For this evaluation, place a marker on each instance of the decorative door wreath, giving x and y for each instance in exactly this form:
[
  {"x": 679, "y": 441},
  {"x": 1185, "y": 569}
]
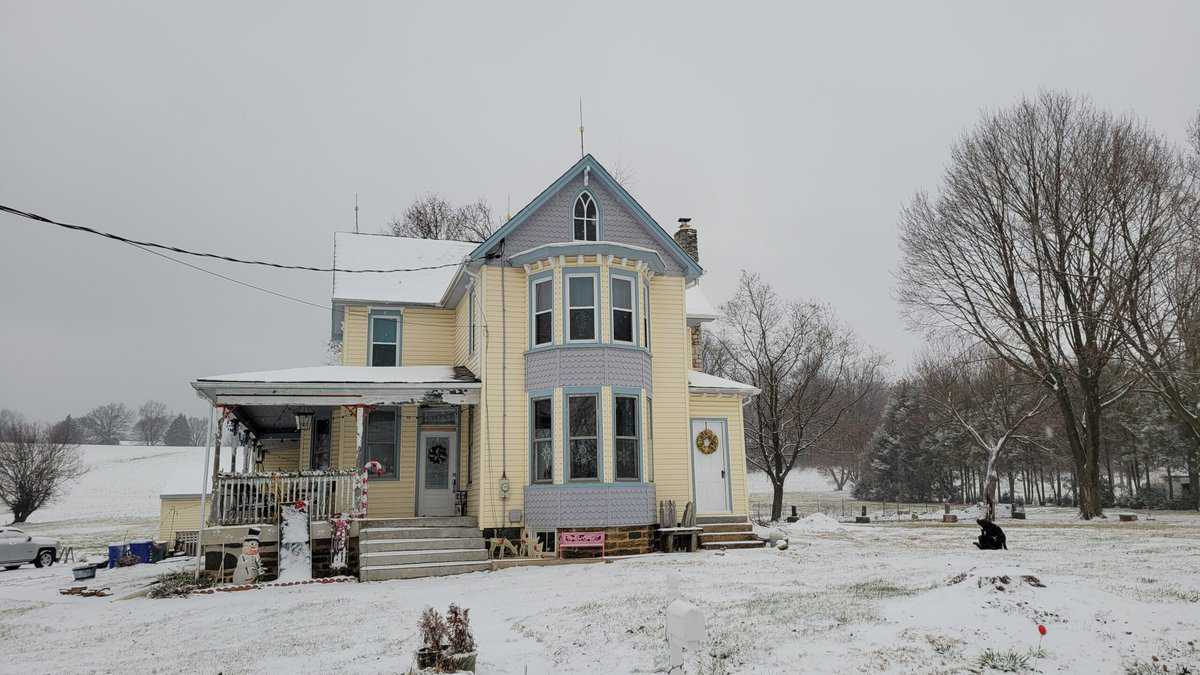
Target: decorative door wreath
[
  {"x": 707, "y": 442},
  {"x": 436, "y": 454}
]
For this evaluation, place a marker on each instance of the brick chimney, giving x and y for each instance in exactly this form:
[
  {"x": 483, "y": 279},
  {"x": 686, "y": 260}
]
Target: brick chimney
[{"x": 685, "y": 236}]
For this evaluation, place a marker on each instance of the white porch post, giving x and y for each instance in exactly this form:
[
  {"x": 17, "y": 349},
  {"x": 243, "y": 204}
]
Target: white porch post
[
  {"x": 204, "y": 493},
  {"x": 360, "y": 414}
]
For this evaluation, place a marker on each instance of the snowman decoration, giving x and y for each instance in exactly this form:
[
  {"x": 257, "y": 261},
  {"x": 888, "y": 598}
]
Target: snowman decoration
[{"x": 249, "y": 566}]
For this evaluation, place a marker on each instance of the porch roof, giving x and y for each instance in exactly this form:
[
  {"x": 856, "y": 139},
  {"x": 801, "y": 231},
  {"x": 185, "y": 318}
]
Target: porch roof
[
  {"x": 323, "y": 386},
  {"x": 703, "y": 383}
]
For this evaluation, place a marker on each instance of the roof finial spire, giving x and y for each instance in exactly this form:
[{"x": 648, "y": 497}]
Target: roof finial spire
[{"x": 581, "y": 152}]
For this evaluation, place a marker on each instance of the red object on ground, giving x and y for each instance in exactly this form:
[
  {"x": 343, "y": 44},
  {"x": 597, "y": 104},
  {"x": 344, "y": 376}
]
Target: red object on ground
[{"x": 1041, "y": 629}]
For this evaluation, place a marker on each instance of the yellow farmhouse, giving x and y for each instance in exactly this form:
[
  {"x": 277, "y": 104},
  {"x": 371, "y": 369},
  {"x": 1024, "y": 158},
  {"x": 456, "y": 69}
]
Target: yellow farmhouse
[{"x": 540, "y": 382}]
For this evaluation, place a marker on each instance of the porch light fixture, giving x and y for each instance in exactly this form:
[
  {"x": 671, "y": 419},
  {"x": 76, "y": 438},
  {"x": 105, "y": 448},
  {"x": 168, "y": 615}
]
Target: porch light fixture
[{"x": 304, "y": 421}]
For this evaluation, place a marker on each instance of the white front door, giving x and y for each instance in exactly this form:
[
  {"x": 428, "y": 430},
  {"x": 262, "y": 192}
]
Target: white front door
[
  {"x": 437, "y": 475},
  {"x": 710, "y": 466}
]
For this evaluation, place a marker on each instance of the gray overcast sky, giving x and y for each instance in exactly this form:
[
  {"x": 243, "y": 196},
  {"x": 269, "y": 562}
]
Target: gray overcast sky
[{"x": 791, "y": 134}]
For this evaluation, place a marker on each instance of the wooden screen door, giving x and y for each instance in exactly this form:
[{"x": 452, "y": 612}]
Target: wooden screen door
[
  {"x": 438, "y": 474},
  {"x": 710, "y": 466}
]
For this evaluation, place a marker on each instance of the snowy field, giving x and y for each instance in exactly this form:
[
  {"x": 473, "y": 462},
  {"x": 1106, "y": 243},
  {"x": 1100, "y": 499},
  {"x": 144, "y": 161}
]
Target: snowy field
[{"x": 892, "y": 597}]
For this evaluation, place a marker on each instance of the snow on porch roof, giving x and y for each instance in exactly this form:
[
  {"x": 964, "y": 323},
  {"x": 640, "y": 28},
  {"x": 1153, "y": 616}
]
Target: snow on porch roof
[
  {"x": 352, "y": 375},
  {"x": 377, "y": 251},
  {"x": 705, "y": 383}
]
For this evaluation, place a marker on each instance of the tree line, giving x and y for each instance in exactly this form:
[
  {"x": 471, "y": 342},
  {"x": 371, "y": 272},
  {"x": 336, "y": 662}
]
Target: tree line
[
  {"x": 152, "y": 423},
  {"x": 1056, "y": 277}
]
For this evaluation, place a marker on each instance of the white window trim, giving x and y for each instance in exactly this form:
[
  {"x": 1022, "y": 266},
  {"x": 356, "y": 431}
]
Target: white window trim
[
  {"x": 535, "y": 313},
  {"x": 632, "y": 309},
  {"x": 586, "y": 221},
  {"x": 397, "y": 318},
  {"x": 595, "y": 306}
]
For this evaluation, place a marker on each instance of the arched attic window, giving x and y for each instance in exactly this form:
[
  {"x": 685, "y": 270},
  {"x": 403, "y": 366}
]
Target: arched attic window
[{"x": 585, "y": 219}]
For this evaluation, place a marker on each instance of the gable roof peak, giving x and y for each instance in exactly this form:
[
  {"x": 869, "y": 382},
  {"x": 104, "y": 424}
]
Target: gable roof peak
[{"x": 594, "y": 169}]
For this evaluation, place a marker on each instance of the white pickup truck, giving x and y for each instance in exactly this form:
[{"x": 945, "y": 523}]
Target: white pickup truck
[{"x": 18, "y": 548}]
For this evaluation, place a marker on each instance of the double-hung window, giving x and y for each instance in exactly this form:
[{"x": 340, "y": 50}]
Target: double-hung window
[
  {"x": 542, "y": 444},
  {"x": 622, "y": 309},
  {"x": 385, "y": 339},
  {"x": 625, "y": 445},
  {"x": 383, "y": 432},
  {"x": 646, "y": 314},
  {"x": 543, "y": 311},
  {"x": 583, "y": 440},
  {"x": 581, "y": 307},
  {"x": 649, "y": 439}
]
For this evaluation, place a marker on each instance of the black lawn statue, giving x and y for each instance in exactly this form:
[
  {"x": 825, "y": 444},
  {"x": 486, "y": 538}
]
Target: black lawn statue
[{"x": 992, "y": 537}]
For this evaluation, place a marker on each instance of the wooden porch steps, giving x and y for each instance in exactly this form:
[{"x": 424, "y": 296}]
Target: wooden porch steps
[
  {"x": 727, "y": 532},
  {"x": 410, "y": 548}
]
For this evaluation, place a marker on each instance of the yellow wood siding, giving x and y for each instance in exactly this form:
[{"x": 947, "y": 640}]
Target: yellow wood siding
[
  {"x": 395, "y": 498},
  {"x": 428, "y": 337},
  {"x": 672, "y": 459},
  {"x": 177, "y": 513},
  {"x": 354, "y": 336},
  {"x": 282, "y": 459},
  {"x": 730, "y": 409},
  {"x": 504, "y": 398}
]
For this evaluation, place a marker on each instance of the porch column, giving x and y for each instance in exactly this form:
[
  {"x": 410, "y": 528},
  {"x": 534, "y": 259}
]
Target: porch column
[{"x": 217, "y": 434}]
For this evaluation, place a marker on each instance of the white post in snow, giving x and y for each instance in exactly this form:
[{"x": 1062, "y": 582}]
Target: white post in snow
[{"x": 204, "y": 491}]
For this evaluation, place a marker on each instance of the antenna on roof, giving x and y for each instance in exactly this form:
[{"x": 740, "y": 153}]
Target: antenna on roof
[
  {"x": 581, "y": 153},
  {"x": 355, "y": 213}
]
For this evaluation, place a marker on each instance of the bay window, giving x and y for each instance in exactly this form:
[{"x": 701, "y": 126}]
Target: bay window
[
  {"x": 622, "y": 309},
  {"x": 543, "y": 311},
  {"x": 581, "y": 307},
  {"x": 542, "y": 449}
]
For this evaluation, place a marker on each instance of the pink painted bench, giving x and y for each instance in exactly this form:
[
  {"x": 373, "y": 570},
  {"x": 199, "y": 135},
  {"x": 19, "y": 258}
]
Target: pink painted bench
[{"x": 581, "y": 540}]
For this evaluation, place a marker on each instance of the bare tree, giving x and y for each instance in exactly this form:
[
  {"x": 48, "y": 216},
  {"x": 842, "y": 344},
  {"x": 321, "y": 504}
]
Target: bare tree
[
  {"x": 432, "y": 217},
  {"x": 35, "y": 465},
  {"x": 152, "y": 423},
  {"x": 840, "y": 454},
  {"x": 987, "y": 398},
  {"x": 1022, "y": 251},
  {"x": 714, "y": 354},
  {"x": 810, "y": 371},
  {"x": 108, "y": 424},
  {"x": 198, "y": 430}
]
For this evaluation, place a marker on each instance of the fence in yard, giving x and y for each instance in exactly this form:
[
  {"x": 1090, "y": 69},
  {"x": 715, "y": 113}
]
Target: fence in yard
[
  {"x": 245, "y": 500},
  {"x": 840, "y": 509}
]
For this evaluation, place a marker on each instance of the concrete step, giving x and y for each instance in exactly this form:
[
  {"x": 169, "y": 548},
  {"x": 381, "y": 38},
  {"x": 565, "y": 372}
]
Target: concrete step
[
  {"x": 423, "y": 544},
  {"x": 382, "y": 558},
  {"x": 709, "y": 546},
  {"x": 384, "y": 572},
  {"x": 727, "y": 527},
  {"x": 703, "y": 520},
  {"x": 430, "y": 521},
  {"x": 408, "y": 532},
  {"x": 711, "y": 537}
]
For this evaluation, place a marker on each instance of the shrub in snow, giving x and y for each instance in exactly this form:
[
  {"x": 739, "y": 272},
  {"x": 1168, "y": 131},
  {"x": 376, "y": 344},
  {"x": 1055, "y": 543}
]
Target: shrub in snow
[
  {"x": 179, "y": 584},
  {"x": 1007, "y": 661}
]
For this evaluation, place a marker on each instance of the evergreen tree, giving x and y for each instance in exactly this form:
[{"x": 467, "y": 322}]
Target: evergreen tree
[{"x": 179, "y": 433}]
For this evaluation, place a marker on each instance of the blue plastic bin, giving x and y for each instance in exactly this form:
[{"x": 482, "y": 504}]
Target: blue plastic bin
[
  {"x": 114, "y": 553},
  {"x": 142, "y": 549}
]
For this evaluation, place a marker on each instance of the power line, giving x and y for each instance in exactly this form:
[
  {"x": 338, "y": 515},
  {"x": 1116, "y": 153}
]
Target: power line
[
  {"x": 216, "y": 256},
  {"x": 236, "y": 281}
]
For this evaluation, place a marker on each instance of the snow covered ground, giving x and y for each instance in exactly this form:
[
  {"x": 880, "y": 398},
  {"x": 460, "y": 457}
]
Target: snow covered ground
[
  {"x": 117, "y": 499},
  {"x": 891, "y": 597}
]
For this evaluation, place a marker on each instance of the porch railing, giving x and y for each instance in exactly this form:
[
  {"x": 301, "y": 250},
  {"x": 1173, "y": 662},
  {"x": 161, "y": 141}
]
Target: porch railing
[{"x": 248, "y": 499}]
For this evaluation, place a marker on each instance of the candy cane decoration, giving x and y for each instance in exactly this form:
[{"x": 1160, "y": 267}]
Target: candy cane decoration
[{"x": 370, "y": 467}]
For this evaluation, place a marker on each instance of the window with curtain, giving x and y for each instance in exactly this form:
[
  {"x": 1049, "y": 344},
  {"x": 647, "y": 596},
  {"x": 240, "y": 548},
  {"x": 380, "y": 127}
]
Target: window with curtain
[
  {"x": 543, "y": 311},
  {"x": 385, "y": 341},
  {"x": 581, "y": 302},
  {"x": 585, "y": 218},
  {"x": 625, "y": 432},
  {"x": 543, "y": 445},
  {"x": 382, "y": 436},
  {"x": 583, "y": 437},
  {"x": 622, "y": 309}
]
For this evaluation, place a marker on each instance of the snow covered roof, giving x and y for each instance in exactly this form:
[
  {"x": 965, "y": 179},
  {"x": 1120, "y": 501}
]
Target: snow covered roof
[
  {"x": 352, "y": 375},
  {"x": 711, "y": 384},
  {"x": 697, "y": 306},
  {"x": 378, "y": 251}
]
